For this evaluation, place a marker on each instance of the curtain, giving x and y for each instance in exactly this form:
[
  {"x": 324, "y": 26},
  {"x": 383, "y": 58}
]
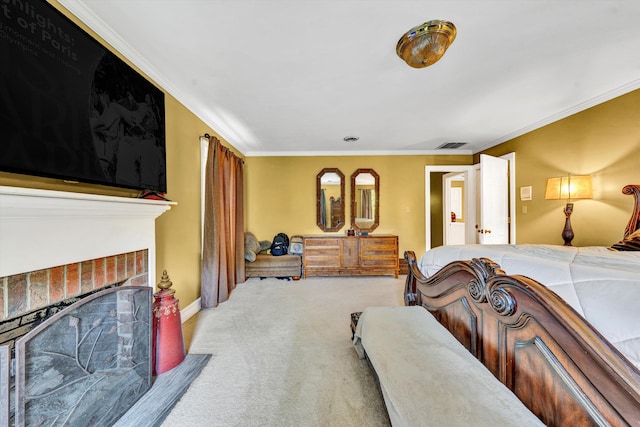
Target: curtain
[
  {"x": 223, "y": 236},
  {"x": 323, "y": 208},
  {"x": 366, "y": 208}
]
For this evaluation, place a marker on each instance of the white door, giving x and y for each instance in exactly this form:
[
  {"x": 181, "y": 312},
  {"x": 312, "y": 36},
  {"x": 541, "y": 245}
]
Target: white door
[
  {"x": 493, "y": 225},
  {"x": 454, "y": 229}
]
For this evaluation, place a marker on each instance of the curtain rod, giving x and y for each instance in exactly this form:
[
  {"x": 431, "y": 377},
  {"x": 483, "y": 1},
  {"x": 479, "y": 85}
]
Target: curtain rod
[{"x": 206, "y": 135}]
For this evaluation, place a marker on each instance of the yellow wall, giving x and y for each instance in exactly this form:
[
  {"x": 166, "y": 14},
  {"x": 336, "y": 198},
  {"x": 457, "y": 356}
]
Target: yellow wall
[
  {"x": 285, "y": 201},
  {"x": 437, "y": 205},
  {"x": 603, "y": 141}
]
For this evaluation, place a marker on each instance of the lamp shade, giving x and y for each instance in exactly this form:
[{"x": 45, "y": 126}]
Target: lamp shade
[
  {"x": 569, "y": 187},
  {"x": 425, "y": 44}
]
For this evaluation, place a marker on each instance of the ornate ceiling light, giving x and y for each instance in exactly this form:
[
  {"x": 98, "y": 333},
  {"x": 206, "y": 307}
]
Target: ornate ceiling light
[{"x": 425, "y": 44}]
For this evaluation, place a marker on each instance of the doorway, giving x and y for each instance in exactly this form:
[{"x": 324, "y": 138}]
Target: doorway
[
  {"x": 470, "y": 175},
  {"x": 434, "y": 219}
]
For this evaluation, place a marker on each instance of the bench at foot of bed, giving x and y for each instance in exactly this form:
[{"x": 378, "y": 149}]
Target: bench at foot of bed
[{"x": 428, "y": 378}]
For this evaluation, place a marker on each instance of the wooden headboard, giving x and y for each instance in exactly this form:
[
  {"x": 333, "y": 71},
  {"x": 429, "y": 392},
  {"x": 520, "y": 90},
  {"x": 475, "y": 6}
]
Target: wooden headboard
[{"x": 557, "y": 364}]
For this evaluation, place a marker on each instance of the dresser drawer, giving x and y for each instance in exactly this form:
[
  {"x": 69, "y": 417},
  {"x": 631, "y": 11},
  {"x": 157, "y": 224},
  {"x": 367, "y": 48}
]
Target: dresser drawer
[
  {"x": 379, "y": 246},
  {"x": 369, "y": 241},
  {"x": 320, "y": 252},
  {"x": 320, "y": 243},
  {"x": 379, "y": 252},
  {"x": 382, "y": 262}
]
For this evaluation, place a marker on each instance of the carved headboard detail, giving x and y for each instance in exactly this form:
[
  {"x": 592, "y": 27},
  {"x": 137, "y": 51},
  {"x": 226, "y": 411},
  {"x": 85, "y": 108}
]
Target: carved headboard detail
[{"x": 557, "y": 364}]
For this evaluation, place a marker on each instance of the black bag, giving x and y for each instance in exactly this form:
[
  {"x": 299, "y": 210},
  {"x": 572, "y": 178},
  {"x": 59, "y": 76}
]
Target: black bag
[{"x": 280, "y": 244}]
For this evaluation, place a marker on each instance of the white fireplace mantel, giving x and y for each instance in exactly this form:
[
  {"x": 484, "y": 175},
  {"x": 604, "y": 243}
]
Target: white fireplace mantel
[{"x": 44, "y": 228}]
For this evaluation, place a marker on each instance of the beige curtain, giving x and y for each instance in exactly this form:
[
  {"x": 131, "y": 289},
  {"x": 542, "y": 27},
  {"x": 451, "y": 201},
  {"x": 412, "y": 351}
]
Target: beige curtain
[{"x": 223, "y": 246}]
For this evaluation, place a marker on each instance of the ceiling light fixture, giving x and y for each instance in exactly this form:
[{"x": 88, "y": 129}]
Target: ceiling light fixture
[
  {"x": 350, "y": 138},
  {"x": 425, "y": 44}
]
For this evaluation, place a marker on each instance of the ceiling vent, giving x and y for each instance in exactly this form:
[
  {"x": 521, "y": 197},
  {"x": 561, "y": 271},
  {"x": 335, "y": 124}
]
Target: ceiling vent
[{"x": 451, "y": 145}]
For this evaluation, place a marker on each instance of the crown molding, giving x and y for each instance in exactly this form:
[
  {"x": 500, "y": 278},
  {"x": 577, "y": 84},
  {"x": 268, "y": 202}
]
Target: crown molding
[{"x": 358, "y": 153}]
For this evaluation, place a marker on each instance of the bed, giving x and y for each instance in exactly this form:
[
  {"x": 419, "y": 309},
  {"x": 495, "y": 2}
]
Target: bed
[{"x": 568, "y": 351}]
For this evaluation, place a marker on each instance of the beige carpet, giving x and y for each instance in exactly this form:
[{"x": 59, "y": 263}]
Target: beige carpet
[{"x": 282, "y": 356}]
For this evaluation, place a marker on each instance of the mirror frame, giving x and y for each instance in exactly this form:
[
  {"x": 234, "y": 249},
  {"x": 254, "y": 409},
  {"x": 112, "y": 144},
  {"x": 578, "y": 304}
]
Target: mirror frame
[
  {"x": 376, "y": 219},
  {"x": 318, "y": 196}
]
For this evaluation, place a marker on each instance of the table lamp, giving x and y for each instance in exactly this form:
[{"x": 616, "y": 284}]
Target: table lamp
[{"x": 569, "y": 187}]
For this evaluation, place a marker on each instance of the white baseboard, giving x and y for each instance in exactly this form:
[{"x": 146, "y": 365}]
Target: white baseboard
[{"x": 190, "y": 310}]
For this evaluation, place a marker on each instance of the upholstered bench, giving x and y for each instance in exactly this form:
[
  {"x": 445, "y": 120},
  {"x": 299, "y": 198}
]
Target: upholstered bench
[
  {"x": 267, "y": 265},
  {"x": 428, "y": 378}
]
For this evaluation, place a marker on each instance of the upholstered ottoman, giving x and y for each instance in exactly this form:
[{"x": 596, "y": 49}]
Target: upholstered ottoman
[{"x": 267, "y": 265}]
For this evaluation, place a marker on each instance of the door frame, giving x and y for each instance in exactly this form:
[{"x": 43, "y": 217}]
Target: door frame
[
  {"x": 511, "y": 157},
  {"x": 470, "y": 197}
]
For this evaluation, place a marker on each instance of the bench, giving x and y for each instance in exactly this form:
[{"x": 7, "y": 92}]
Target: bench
[
  {"x": 266, "y": 265},
  {"x": 428, "y": 378}
]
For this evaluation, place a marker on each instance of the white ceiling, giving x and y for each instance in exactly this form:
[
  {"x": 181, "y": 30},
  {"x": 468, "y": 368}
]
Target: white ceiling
[{"x": 294, "y": 77}]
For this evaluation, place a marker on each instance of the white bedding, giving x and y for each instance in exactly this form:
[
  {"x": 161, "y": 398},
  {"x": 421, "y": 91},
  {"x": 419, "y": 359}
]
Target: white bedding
[{"x": 600, "y": 284}]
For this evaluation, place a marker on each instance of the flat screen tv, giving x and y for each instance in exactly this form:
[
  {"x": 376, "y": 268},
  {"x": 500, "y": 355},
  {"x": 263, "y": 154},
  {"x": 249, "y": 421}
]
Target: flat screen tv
[{"x": 71, "y": 109}]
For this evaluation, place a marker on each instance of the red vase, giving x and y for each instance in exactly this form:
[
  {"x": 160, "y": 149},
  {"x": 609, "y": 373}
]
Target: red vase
[{"x": 168, "y": 344}]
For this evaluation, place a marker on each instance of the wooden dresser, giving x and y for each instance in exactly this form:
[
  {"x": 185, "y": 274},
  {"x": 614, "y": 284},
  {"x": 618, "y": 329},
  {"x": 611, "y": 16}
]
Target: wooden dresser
[{"x": 335, "y": 255}]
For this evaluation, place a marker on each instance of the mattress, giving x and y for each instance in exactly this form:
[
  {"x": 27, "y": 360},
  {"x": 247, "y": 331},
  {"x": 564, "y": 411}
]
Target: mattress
[{"x": 600, "y": 284}]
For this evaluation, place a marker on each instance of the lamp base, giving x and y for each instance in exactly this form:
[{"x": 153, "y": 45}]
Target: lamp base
[{"x": 567, "y": 232}]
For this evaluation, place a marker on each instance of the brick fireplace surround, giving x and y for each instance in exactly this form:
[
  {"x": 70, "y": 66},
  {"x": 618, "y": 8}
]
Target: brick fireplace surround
[
  {"x": 55, "y": 245},
  {"x": 30, "y": 291}
]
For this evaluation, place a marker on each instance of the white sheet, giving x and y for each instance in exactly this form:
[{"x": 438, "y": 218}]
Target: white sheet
[{"x": 600, "y": 284}]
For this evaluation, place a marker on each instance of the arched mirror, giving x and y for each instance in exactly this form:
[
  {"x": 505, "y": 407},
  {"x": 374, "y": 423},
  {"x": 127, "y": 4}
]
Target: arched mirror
[
  {"x": 330, "y": 199},
  {"x": 365, "y": 200}
]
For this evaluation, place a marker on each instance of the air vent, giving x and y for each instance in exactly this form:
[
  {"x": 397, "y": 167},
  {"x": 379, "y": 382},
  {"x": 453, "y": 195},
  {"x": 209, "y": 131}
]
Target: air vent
[{"x": 451, "y": 145}]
